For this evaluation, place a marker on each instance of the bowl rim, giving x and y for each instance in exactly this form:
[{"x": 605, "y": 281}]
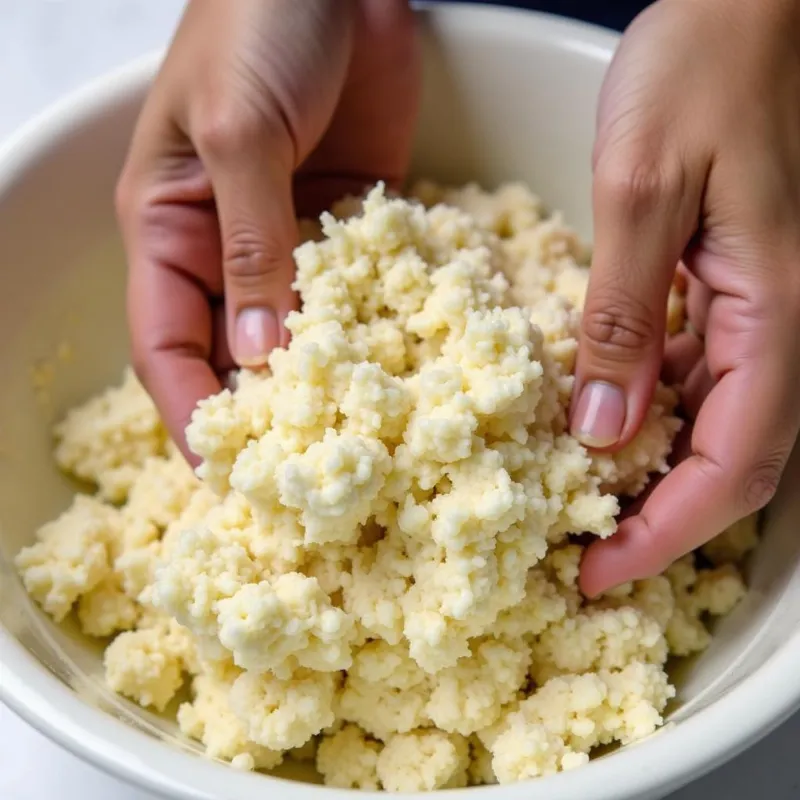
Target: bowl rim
[{"x": 662, "y": 763}]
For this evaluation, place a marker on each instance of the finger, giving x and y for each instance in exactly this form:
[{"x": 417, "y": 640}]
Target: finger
[
  {"x": 171, "y": 335},
  {"x": 697, "y": 387},
  {"x": 681, "y": 279},
  {"x": 681, "y": 354},
  {"x": 171, "y": 243},
  {"x": 740, "y": 444},
  {"x": 384, "y": 63},
  {"x": 249, "y": 160},
  {"x": 645, "y": 213},
  {"x": 681, "y": 450},
  {"x": 698, "y": 302}
]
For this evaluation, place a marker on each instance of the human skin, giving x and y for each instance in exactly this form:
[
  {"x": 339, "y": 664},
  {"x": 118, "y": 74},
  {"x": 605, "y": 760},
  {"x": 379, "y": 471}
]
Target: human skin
[
  {"x": 265, "y": 108},
  {"x": 697, "y": 158}
]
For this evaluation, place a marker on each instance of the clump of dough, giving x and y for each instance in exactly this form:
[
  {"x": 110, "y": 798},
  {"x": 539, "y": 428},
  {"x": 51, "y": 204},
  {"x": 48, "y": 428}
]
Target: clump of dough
[
  {"x": 598, "y": 639},
  {"x": 349, "y": 760},
  {"x": 385, "y": 691},
  {"x": 217, "y": 590},
  {"x": 209, "y": 719},
  {"x": 422, "y": 761},
  {"x": 107, "y": 609},
  {"x": 148, "y": 664},
  {"x": 732, "y": 545},
  {"x": 71, "y": 556},
  {"x": 558, "y": 725},
  {"x": 282, "y": 714},
  {"x": 107, "y": 441}
]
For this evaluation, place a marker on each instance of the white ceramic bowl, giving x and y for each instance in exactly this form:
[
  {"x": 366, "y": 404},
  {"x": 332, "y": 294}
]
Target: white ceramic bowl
[{"x": 508, "y": 95}]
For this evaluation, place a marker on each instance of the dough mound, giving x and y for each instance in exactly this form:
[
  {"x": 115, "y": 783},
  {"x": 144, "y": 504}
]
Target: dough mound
[{"x": 376, "y": 563}]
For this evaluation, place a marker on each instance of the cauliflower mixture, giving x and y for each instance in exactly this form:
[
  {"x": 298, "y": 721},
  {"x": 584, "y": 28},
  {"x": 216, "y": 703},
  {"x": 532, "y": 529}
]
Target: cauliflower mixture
[{"x": 375, "y": 566}]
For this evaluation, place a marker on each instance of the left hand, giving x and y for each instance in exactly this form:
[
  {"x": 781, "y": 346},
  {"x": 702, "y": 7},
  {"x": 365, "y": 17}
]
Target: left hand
[
  {"x": 262, "y": 109},
  {"x": 697, "y": 158}
]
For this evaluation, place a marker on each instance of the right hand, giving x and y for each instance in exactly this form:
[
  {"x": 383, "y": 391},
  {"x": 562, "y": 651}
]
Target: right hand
[
  {"x": 262, "y": 110},
  {"x": 681, "y": 174}
]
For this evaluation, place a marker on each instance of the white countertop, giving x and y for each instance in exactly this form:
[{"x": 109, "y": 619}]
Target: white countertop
[{"x": 48, "y": 47}]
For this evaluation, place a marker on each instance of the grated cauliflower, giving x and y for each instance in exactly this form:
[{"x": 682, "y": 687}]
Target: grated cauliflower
[{"x": 375, "y": 567}]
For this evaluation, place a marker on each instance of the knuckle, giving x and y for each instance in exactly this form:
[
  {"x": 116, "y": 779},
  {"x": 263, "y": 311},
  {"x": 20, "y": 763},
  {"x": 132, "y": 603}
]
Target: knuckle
[
  {"x": 634, "y": 182},
  {"x": 655, "y": 558},
  {"x": 710, "y": 468},
  {"x": 226, "y": 130},
  {"x": 248, "y": 258},
  {"x": 618, "y": 329},
  {"x": 762, "y": 483}
]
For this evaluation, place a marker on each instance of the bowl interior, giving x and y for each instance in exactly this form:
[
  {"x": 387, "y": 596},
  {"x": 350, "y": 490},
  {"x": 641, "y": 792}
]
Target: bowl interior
[{"x": 507, "y": 96}]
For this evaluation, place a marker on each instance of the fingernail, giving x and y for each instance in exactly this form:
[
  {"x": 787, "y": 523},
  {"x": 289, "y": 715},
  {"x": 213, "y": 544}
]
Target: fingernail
[
  {"x": 257, "y": 333},
  {"x": 599, "y": 415}
]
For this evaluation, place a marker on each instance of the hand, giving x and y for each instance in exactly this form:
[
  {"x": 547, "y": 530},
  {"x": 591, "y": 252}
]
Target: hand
[
  {"x": 697, "y": 158},
  {"x": 261, "y": 110}
]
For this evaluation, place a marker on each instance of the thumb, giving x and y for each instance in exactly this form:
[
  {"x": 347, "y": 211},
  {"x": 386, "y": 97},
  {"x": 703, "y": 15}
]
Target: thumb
[
  {"x": 645, "y": 213},
  {"x": 249, "y": 160}
]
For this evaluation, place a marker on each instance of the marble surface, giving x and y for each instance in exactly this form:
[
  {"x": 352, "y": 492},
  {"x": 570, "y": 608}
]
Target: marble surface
[{"x": 48, "y": 47}]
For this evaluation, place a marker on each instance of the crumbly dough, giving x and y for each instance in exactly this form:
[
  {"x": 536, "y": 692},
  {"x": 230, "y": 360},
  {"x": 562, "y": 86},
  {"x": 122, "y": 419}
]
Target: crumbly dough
[
  {"x": 376, "y": 564},
  {"x": 107, "y": 441},
  {"x": 423, "y": 760},
  {"x": 71, "y": 556},
  {"x": 734, "y": 544},
  {"x": 557, "y": 726},
  {"x": 210, "y": 720},
  {"x": 348, "y": 759},
  {"x": 148, "y": 664}
]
